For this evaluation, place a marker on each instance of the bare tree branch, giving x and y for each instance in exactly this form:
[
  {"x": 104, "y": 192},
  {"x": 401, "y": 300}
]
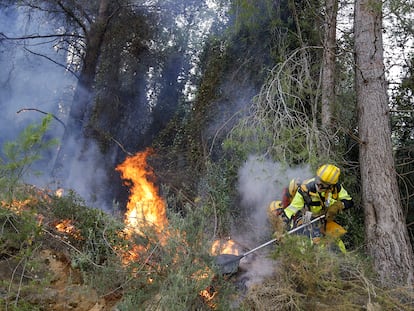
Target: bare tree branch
[
  {"x": 70, "y": 13},
  {"x": 53, "y": 61},
  {"x": 35, "y": 109},
  {"x": 37, "y": 36}
]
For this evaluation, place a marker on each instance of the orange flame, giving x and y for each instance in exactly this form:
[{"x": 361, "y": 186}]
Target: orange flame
[
  {"x": 225, "y": 247},
  {"x": 66, "y": 226},
  {"x": 144, "y": 206}
]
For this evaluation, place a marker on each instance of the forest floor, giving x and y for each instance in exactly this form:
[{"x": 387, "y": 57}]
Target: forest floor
[{"x": 39, "y": 270}]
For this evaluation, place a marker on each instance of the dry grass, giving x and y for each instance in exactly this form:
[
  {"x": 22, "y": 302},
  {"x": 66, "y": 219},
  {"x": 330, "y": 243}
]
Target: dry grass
[{"x": 310, "y": 278}]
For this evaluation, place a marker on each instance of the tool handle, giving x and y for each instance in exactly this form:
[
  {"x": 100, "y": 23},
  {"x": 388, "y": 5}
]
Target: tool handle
[{"x": 289, "y": 232}]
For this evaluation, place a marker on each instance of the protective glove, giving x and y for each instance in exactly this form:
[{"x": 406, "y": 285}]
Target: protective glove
[
  {"x": 333, "y": 210},
  {"x": 280, "y": 227},
  {"x": 278, "y": 236},
  {"x": 307, "y": 217},
  {"x": 273, "y": 212}
]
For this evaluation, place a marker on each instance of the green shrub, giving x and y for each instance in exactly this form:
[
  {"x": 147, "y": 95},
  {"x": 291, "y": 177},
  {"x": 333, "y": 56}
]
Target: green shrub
[
  {"x": 179, "y": 269},
  {"x": 17, "y": 231},
  {"x": 18, "y": 156}
]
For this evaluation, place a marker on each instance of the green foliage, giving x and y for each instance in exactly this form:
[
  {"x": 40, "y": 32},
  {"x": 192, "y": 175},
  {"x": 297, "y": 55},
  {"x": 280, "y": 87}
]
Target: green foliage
[
  {"x": 251, "y": 14},
  {"x": 73, "y": 207},
  {"x": 375, "y": 6},
  {"x": 19, "y": 155},
  {"x": 21, "y": 306},
  {"x": 25, "y": 234},
  {"x": 97, "y": 240},
  {"x": 167, "y": 274},
  {"x": 179, "y": 269},
  {"x": 247, "y": 140},
  {"x": 353, "y": 222},
  {"x": 282, "y": 120},
  {"x": 124, "y": 43},
  {"x": 20, "y": 239},
  {"x": 217, "y": 191},
  {"x": 18, "y": 231},
  {"x": 402, "y": 129}
]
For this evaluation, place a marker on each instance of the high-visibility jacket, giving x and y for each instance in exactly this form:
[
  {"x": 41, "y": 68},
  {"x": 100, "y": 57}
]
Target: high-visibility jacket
[{"x": 317, "y": 202}]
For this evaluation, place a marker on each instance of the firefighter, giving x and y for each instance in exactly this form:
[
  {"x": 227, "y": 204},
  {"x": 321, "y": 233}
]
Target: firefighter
[
  {"x": 290, "y": 191},
  {"x": 275, "y": 208},
  {"x": 322, "y": 194}
]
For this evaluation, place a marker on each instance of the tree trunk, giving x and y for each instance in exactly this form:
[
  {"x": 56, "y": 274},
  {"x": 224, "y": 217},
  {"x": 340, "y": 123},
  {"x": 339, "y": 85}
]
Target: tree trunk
[
  {"x": 84, "y": 90},
  {"x": 385, "y": 227},
  {"x": 328, "y": 66},
  {"x": 72, "y": 139}
]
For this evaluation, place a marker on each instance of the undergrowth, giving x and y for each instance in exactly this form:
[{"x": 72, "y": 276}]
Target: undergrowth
[
  {"x": 169, "y": 269},
  {"x": 312, "y": 277},
  {"x": 169, "y": 272}
]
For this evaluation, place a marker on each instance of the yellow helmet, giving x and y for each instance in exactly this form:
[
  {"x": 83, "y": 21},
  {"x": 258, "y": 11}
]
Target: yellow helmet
[
  {"x": 328, "y": 174},
  {"x": 274, "y": 205},
  {"x": 293, "y": 186}
]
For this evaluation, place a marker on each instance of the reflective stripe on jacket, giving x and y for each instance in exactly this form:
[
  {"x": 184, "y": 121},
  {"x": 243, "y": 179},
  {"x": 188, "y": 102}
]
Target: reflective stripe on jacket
[{"x": 307, "y": 195}]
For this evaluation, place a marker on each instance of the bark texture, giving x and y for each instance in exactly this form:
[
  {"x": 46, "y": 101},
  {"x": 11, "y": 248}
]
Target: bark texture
[
  {"x": 328, "y": 68},
  {"x": 386, "y": 232},
  {"x": 72, "y": 141},
  {"x": 84, "y": 90}
]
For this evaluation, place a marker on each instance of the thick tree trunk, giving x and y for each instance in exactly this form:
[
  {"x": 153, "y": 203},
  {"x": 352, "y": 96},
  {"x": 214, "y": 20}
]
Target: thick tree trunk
[
  {"x": 72, "y": 141},
  {"x": 328, "y": 66},
  {"x": 386, "y": 232},
  {"x": 84, "y": 91}
]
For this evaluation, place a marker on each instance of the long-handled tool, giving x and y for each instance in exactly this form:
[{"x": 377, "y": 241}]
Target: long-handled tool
[{"x": 228, "y": 263}]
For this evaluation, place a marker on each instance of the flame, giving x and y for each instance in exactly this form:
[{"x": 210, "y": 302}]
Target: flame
[
  {"x": 66, "y": 226},
  {"x": 220, "y": 246},
  {"x": 225, "y": 247},
  {"x": 144, "y": 206},
  {"x": 208, "y": 295},
  {"x": 17, "y": 206}
]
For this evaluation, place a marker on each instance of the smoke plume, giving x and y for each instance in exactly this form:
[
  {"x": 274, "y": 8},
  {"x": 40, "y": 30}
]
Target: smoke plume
[{"x": 260, "y": 181}]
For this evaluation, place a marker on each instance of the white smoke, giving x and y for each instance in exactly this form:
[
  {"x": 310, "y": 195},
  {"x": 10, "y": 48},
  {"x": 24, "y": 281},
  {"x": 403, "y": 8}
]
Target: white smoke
[
  {"x": 260, "y": 182},
  {"x": 34, "y": 76},
  {"x": 31, "y": 86}
]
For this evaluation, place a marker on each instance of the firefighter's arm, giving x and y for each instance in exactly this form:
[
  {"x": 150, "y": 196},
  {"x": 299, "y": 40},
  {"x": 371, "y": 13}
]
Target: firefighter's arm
[
  {"x": 333, "y": 210},
  {"x": 345, "y": 198},
  {"x": 280, "y": 226},
  {"x": 344, "y": 201},
  {"x": 295, "y": 206}
]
